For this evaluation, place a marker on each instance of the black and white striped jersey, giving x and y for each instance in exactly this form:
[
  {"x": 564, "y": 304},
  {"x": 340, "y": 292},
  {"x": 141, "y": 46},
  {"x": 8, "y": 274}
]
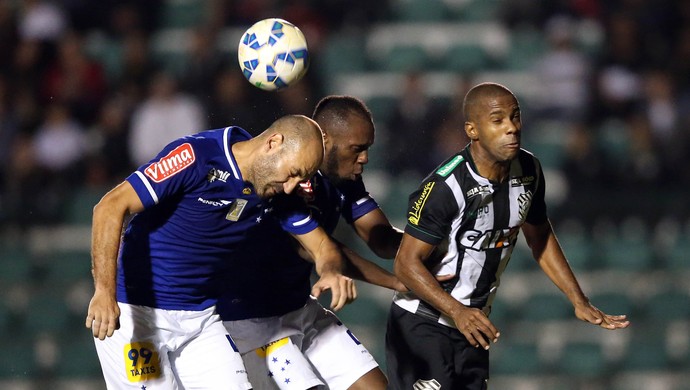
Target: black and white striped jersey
[{"x": 479, "y": 220}]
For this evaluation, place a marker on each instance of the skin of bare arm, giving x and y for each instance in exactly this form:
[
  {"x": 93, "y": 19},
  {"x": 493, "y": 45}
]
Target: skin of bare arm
[
  {"x": 108, "y": 218},
  {"x": 329, "y": 264},
  {"x": 410, "y": 269},
  {"x": 381, "y": 237}
]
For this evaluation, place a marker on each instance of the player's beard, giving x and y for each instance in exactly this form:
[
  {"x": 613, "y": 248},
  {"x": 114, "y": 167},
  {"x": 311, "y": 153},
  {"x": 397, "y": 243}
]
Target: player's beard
[
  {"x": 261, "y": 174},
  {"x": 332, "y": 166}
]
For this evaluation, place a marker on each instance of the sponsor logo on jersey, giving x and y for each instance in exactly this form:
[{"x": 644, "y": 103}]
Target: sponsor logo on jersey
[
  {"x": 426, "y": 384},
  {"x": 271, "y": 347},
  {"x": 414, "y": 215},
  {"x": 216, "y": 174},
  {"x": 173, "y": 163},
  {"x": 490, "y": 239},
  {"x": 141, "y": 361},
  {"x": 524, "y": 201},
  {"x": 485, "y": 189},
  {"x": 217, "y": 203},
  {"x": 448, "y": 168},
  {"x": 521, "y": 181},
  {"x": 236, "y": 210}
]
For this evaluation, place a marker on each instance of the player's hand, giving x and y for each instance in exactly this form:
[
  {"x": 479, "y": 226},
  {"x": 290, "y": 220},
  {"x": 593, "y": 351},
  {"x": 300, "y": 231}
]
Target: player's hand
[
  {"x": 589, "y": 313},
  {"x": 475, "y": 326},
  {"x": 103, "y": 317},
  {"x": 400, "y": 287},
  {"x": 343, "y": 290}
]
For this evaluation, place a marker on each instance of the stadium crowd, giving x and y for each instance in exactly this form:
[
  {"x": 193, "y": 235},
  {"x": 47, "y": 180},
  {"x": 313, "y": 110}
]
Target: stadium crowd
[{"x": 70, "y": 121}]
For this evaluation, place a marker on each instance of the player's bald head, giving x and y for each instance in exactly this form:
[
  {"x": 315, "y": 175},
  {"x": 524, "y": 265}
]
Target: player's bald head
[
  {"x": 300, "y": 134},
  {"x": 478, "y": 95}
]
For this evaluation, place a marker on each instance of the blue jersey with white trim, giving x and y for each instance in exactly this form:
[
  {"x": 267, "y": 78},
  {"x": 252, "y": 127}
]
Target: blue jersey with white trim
[
  {"x": 277, "y": 280},
  {"x": 198, "y": 221}
]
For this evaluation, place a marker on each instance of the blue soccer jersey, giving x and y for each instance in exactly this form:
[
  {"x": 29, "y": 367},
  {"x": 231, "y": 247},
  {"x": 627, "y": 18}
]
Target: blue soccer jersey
[
  {"x": 277, "y": 280},
  {"x": 198, "y": 222}
]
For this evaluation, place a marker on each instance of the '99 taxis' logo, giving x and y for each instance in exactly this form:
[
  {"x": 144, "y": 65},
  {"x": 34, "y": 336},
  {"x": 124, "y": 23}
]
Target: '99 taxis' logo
[{"x": 141, "y": 362}]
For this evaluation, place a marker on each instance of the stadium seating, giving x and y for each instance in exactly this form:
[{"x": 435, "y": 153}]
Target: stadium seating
[
  {"x": 419, "y": 10},
  {"x": 583, "y": 360},
  {"x": 516, "y": 358}
]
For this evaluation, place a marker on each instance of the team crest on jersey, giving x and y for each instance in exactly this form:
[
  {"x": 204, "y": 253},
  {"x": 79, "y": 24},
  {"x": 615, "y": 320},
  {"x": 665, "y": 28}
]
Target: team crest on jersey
[
  {"x": 171, "y": 164},
  {"x": 414, "y": 215},
  {"x": 216, "y": 174},
  {"x": 521, "y": 181},
  {"x": 246, "y": 191},
  {"x": 306, "y": 190},
  {"x": 236, "y": 210},
  {"x": 524, "y": 201},
  {"x": 426, "y": 384}
]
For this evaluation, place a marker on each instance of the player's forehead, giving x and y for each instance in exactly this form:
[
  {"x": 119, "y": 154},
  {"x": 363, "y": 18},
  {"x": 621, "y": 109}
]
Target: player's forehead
[
  {"x": 495, "y": 104},
  {"x": 355, "y": 130}
]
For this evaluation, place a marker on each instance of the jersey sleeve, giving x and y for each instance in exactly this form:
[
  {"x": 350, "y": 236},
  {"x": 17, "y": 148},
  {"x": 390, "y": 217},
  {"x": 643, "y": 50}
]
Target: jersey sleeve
[
  {"x": 170, "y": 173},
  {"x": 294, "y": 215},
  {"x": 357, "y": 201},
  {"x": 430, "y": 211},
  {"x": 537, "y": 211}
]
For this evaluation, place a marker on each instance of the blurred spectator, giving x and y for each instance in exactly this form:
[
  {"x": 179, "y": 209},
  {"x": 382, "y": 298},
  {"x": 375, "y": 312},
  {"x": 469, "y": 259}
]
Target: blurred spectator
[
  {"x": 8, "y": 131},
  {"x": 108, "y": 141},
  {"x": 618, "y": 84},
  {"x": 75, "y": 79},
  {"x": 27, "y": 68},
  {"x": 9, "y": 36},
  {"x": 136, "y": 67},
  {"x": 564, "y": 74},
  {"x": 165, "y": 115},
  {"x": 230, "y": 103},
  {"x": 56, "y": 152},
  {"x": 203, "y": 65},
  {"x": 411, "y": 129},
  {"x": 664, "y": 118},
  {"x": 60, "y": 142},
  {"x": 450, "y": 135},
  {"x": 41, "y": 20}
]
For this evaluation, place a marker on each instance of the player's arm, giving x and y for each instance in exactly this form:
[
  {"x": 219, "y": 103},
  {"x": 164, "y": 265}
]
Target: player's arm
[
  {"x": 381, "y": 237},
  {"x": 549, "y": 254},
  {"x": 329, "y": 264},
  {"x": 108, "y": 218},
  {"x": 363, "y": 269},
  {"x": 410, "y": 269}
]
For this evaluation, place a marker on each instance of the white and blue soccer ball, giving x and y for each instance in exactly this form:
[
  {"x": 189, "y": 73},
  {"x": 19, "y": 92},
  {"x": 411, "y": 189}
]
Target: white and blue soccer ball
[{"x": 273, "y": 54}]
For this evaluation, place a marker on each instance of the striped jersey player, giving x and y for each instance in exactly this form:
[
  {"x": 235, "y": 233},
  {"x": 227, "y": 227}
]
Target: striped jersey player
[{"x": 475, "y": 203}]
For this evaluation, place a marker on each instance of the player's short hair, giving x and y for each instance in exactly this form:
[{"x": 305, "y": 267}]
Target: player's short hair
[
  {"x": 337, "y": 108},
  {"x": 480, "y": 92}
]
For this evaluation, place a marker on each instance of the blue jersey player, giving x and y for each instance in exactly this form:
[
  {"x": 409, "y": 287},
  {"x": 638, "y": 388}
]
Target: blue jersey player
[
  {"x": 288, "y": 340},
  {"x": 195, "y": 207}
]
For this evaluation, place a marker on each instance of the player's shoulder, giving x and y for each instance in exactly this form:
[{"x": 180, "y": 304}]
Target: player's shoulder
[{"x": 528, "y": 159}]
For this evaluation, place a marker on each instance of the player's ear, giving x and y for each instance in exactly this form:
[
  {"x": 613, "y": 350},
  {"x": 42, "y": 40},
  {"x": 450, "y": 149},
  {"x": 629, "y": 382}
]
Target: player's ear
[
  {"x": 274, "y": 141},
  {"x": 471, "y": 131}
]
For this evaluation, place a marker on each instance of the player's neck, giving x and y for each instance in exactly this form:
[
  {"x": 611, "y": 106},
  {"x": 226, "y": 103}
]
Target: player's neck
[{"x": 489, "y": 168}]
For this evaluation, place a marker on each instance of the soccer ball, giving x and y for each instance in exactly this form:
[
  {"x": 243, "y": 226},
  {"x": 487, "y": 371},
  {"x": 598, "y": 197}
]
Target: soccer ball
[{"x": 273, "y": 54}]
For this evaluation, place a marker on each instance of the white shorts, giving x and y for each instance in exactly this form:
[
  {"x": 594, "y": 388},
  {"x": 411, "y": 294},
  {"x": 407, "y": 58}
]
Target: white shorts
[
  {"x": 170, "y": 350},
  {"x": 305, "y": 348}
]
